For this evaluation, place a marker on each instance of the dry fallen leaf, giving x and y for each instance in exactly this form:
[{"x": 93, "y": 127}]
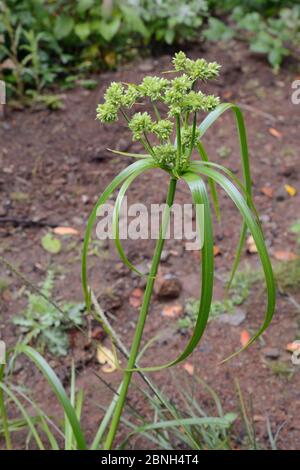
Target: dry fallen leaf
[
  {"x": 290, "y": 190},
  {"x": 244, "y": 337},
  {"x": 106, "y": 357},
  {"x": 227, "y": 94},
  {"x": 136, "y": 297},
  {"x": 257, "y": 418},
  {"x": 282, "y": 255},
  {"x": 65, "y": 231},
  {"x": 267, "y": 191},
  {"x": 172, "y": 311},
  {"x": 292, "y": 347},
  {"x": 275, "y": 133},
  {"x": 217, "y": 250},
  {"x": 189, "y": 368},
  {"x": 251, "y": 246}
]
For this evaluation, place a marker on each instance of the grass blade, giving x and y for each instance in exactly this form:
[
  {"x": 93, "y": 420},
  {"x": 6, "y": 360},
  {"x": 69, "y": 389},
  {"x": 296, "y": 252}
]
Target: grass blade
[
  {"x": 143, "y": 164},
  {"x": 212, "y": 186},
  {"x": 115, "y": 221},
  {"x": 244, "y": 152},
  {"x": 28, "y": 419},
  {"x": 200, "y": 196},
  {"x": 256, "y": 232},
  {"x": 59, "y": 391}
]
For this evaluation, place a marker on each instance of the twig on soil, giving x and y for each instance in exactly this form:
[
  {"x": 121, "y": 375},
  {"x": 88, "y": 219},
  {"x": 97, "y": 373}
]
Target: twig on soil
[
  {"x": 26, "y": 222},
  {"x": 254, "y": 110}
]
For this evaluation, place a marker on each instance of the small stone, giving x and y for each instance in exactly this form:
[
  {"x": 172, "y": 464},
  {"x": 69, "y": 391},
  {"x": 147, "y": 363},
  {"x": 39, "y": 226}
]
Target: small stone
[
  {"x": 233, "y": 319},
  {"x": 271, "y": 353},
  {"x": 85, "y": 199},
  {"x": 165, "y": 255},
  {"x": 264, "y": 218},
  {"x": 167, "y": 286}
]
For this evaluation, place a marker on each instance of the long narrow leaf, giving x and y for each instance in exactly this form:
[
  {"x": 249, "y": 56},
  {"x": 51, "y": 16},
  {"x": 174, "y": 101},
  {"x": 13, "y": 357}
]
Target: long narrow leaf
[
  {"x": 30, "y": 421},
  {"x": 200, "y": 196},
  {"x": 143, "y": 164},
  {"x": 256, "y": 232},
  {"x": 244, "y": 152},
  {"x": 115, "y": 221},
  {"x": 59, "y": 391}
]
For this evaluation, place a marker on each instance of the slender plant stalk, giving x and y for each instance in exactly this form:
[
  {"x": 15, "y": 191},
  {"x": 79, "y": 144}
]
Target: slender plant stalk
[
  {"x": 178, "y": 137},
  {"x": 139, "y": 329},
  {"x": 3, "y": 414}
]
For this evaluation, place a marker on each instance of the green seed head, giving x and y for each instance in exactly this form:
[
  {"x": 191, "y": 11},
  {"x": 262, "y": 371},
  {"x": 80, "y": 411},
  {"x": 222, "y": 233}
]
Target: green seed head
[
  {"x": 107, "y": 112},
  {"x": 130, "y": 96},
  {"x": 187, "y": 135},
  {"x": 114, "y": 93},
  {"x": 165, "y": 155},
  {"x": 139, "y": 124},
  {"x": 153, "y": 87},
  {"x": 163, "y": 129}
]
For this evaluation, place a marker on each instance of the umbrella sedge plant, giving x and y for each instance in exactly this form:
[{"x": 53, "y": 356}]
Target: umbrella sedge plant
[{"x": 183, "y": 104}]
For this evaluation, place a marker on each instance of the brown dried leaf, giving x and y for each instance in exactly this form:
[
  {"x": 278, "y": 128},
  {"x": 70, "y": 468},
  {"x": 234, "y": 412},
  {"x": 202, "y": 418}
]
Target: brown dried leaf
[
  {"x": 189, "y": 368},
  {"x": 65, "y": 231},
  {"x": 106, "y": 357},
  {"x": 172, "y": 311},
  {"x": 282, "y": 255},
  {"x": 275, "y": 133},
  {"x": 136, "y": 297},
  {"x": 267, "y": 191},
  {"x": 251, "y": 246},
  {"x": 244, "y": 337}
]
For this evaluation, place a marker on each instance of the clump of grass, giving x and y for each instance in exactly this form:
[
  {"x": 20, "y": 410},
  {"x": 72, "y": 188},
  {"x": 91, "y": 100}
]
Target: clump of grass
[{"x": 177, "y": 108}]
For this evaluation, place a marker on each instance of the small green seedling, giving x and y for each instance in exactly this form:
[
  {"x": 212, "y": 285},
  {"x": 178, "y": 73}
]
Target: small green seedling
[{"x": 182, "y": 103}]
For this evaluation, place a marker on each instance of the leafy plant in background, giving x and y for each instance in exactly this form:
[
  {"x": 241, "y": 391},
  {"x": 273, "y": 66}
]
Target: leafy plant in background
[
  {"x": 181, "y": 102},
  {"x": 275, "y": 36},
  {"x": 45, "y": 40},
  {"x": 44, "y": 324},
  {"x": 171, "y": 20}
]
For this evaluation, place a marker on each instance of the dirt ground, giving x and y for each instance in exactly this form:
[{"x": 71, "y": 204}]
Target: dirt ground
[{"x": 54, "y": 165}]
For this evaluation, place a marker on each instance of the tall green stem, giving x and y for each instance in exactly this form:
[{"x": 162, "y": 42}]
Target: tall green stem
[
  {"x": 178, "y": 138},
  {"x": 3, "y": 414},
  {"x": 140, "y": 326}
]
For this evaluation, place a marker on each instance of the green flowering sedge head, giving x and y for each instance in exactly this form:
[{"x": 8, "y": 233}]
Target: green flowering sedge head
[
  {"x": 114, "y": 93},
  {"x": 175, "y": 93},
  {"x": 198, "y": 101},
  {"x": 131, "y": 96},
  {"x": 198, "y": 69},
  {"x": 165, "y": 155},
  {"x": 163, "y": 129},
  {"x": 179, "y": 98},
  {"x": 187, "y": 136},
  {"x": 107, "y": 112},
  {"x": 153, "y": 87},
  {"x": 139, "y": 124}
]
